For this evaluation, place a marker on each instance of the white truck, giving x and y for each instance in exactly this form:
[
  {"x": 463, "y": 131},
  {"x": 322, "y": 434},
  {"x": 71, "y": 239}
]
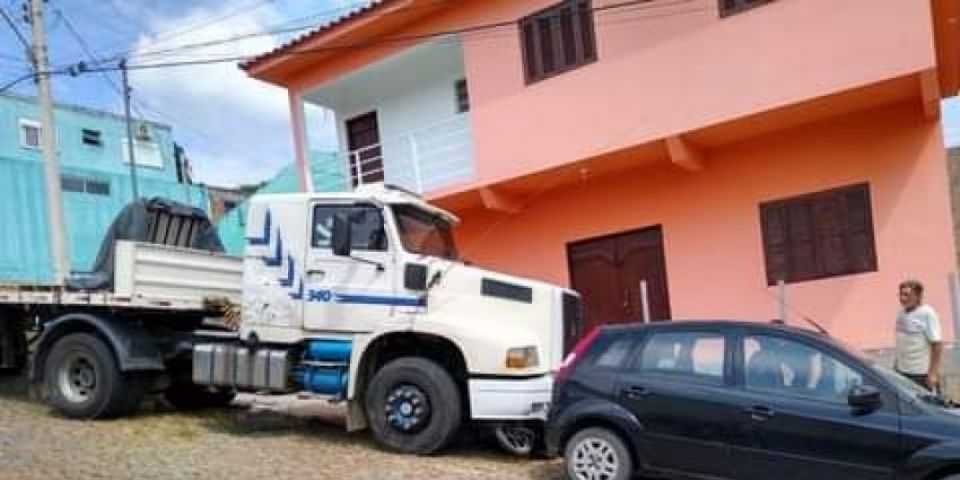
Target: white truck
[{"x": 355, "y": 297}]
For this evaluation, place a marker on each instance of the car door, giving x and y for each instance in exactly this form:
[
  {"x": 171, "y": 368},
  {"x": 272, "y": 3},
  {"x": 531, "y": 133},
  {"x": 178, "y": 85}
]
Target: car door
[
  {"x": 349, "y": 293},
  {"x": 677, "y": 386},
  {"x": 794, "y": 418}
]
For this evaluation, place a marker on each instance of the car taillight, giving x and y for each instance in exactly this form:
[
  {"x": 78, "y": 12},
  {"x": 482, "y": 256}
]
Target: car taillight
[{"x": 575, "y": 356}]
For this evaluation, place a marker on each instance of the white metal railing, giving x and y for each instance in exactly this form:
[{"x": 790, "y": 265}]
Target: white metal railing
[{"x": 423, "y": 160}]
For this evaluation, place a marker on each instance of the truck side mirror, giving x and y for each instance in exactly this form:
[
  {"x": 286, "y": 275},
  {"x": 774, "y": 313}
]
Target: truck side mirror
[
  {"x": 341, "y": 241},
  {"x": 415, "y": 277}
]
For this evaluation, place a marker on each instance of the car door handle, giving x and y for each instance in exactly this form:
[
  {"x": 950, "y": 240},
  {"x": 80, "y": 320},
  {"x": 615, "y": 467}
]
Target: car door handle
[
  {"x": 635, "y": 392},
  {"x": 759, "y": 413}
]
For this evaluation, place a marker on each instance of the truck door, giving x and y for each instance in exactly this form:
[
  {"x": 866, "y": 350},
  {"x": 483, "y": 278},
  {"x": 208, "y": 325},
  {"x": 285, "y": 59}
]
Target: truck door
[{"x": 355, "y": 293}]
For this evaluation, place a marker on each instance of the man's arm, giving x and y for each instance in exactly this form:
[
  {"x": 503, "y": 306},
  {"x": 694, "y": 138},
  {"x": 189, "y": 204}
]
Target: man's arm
[
  {"x": 933, "y": 374},
  {"x": 935, "y": 337}
]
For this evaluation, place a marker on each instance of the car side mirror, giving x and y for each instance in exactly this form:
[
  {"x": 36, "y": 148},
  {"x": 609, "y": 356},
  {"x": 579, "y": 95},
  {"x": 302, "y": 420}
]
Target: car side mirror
[
  {"x": 341, "y": 240},
  {"x": 864, "y": 397}
]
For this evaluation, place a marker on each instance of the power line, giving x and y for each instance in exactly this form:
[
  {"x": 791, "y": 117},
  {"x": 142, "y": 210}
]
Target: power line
[
  {"x": 386, "y": 40},
  {"x": 279, "y": 29},
  {"x": 13, "y": 26},
  {"x": 15, "y": 81},
  {"x": 86, "y": 48}
]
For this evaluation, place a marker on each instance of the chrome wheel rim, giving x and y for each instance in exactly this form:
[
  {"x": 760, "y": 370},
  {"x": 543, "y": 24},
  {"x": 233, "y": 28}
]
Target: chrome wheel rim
[
  {"x": 594, "y": 459},
  {"x": 77, "y": 378}
]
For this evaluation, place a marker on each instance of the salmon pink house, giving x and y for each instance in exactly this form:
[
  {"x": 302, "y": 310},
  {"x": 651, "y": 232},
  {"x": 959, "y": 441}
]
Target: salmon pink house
[{"x": 669, "y": 159}]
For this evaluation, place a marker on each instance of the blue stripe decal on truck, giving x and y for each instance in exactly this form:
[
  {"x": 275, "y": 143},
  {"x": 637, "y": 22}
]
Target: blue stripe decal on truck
[
  {"x": 327, "y": 296},
  {"x": 263, "y": 239},
  {"x": 381, "y": 300}
]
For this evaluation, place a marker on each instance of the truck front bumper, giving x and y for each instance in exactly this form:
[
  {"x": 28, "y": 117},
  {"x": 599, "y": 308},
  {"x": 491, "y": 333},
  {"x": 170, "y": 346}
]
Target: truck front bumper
[{"x": 504, "y": 398}]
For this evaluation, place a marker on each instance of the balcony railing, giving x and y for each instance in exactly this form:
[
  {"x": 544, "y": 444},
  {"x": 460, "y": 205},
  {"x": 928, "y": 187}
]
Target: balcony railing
[{"x": 424, "y": 160}]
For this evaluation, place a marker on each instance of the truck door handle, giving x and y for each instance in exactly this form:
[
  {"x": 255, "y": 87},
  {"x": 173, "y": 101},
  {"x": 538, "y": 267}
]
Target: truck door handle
[
  {"x": 759, "y": 413},
  {"x": 635, "y": 392},
  {"x": 316, "y": 271}
]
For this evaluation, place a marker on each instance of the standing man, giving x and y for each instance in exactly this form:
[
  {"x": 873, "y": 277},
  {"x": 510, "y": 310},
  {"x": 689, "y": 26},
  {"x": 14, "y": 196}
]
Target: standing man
[{"x": 919, "y": 339}]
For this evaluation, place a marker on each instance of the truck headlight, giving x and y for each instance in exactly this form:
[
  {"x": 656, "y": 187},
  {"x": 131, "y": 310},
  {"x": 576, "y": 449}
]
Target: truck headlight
[{"x": 522, "y": 357}]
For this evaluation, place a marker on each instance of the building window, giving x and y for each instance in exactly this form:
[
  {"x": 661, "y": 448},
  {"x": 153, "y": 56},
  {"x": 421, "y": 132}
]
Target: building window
[
  {"x": 461, "y": 95},
  {"x": 819, "y": 235},
  {"x": 146, "y": 153},
  {"x": 92, "y": 137},
  {"x": 557, "y": 39},
  {"x": 77, "y": 184},
  {"x": 730, "y": 7},
  {"x": 30, "y": 134}
]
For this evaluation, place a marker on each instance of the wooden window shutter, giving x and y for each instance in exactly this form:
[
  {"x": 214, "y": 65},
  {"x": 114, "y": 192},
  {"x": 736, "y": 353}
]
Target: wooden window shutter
[
  {"x": 862, "y": 255},
  {"x": 819, "y": 235},
  {"x": 557, "y": 39},
  {"x": 774, "y": 229}
]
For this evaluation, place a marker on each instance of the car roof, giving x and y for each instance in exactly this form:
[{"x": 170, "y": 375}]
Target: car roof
[{"x": 772, "y": 326}]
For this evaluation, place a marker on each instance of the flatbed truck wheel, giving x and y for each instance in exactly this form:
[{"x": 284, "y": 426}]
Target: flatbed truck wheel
[
  {"x": 83, "y": 380},
  {"x": 413, "y": 406}
]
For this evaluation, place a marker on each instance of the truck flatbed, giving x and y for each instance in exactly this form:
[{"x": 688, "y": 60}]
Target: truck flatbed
[{"x": 147, "y": 276}]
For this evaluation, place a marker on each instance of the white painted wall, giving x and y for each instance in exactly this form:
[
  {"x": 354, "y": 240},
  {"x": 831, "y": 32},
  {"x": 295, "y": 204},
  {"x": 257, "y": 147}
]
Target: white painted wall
[{"x": 413, "y": 95}]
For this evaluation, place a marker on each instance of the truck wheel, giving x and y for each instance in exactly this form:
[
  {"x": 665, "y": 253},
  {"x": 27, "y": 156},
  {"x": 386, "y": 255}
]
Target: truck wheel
[
  {"x": 82, "y": 379},
  {"x": 413, "y": 406},
  {"x": 188, "y": 396}
]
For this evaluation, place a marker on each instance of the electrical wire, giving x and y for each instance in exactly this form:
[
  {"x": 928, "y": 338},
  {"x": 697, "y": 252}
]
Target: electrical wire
[
  {"x": 400, "y": 39},
  {"x": 13, "y": 26},
  {"x": 279, "y": 29}
]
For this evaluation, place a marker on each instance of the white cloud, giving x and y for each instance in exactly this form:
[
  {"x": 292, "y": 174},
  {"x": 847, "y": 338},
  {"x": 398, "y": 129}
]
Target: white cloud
[{"x": 236, "y": 129}]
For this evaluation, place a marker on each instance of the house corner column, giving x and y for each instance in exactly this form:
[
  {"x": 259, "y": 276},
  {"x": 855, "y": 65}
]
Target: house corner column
[{"x": 298, "y": 124}]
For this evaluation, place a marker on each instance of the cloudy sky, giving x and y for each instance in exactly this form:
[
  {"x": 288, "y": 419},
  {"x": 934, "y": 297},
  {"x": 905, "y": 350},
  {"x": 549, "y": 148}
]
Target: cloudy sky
[{"x": 235, "y": 129}]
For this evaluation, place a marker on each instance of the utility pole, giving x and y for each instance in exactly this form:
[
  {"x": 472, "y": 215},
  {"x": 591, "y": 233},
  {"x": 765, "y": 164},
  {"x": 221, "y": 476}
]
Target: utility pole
[
  {"x": 126, "y": 109},
  {"x": 51, "y": 169}
]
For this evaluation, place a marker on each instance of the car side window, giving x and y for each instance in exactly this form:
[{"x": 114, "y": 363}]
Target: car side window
[
  {"x": 691, "y": 355},
  {"x": 615, "y": 353},
  {"x": 367, "y": 231},
  {"x": 778, "y": 365}
]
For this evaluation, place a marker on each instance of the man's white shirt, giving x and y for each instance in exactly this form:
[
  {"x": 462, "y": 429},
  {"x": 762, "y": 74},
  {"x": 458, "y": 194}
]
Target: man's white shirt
[{"x": 916, "y": 330}]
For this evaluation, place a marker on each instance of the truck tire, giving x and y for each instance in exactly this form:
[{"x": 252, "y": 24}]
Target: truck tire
[
  {"x": 83, "y": 380},
  {"x": 413, "y": 406},
  {"x": 189, "y": 396}
]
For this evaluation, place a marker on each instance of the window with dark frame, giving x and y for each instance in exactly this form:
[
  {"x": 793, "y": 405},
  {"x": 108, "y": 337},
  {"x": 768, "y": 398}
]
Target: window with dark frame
[
  {"x": 731, "y": 7},
  {"x": 367, "y": 230},
  {"x": 819, "y": 235},
  {"x": 69, "y": 183},
  {"x": 91, "y": 137},
  {"x": 461, "y": 95},
  {"x": 557, "y": 39},
  {"x": 77, "y": 184}
]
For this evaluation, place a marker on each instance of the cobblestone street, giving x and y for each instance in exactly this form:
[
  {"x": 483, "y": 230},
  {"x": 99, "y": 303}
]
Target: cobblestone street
[{"x": 230, "y": 443}]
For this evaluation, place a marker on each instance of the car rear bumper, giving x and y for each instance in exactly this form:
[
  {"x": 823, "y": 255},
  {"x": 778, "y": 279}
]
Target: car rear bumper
[{"x": 504, "y": 398}]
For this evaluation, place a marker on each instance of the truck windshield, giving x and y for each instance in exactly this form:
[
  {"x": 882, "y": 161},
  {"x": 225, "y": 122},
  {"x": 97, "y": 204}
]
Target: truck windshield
[{"x": 424, "y": 232}]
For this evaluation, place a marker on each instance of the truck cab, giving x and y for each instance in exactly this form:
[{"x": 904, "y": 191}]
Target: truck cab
[{"x": 362, "y": 297}]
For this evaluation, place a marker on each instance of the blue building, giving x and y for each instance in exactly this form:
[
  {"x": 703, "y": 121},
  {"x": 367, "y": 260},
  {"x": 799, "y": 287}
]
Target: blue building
[
  {"x": 328, "y": 172},
  {"x": 95, "y": 178}
]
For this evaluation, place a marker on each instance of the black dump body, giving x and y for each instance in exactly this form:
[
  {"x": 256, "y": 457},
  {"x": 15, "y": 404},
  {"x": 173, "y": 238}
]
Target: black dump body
[{"x": 156, "y": 220}]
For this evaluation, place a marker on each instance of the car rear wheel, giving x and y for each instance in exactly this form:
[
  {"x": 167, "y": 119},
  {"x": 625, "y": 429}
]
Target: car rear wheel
[{"x": 597, "y": 454}]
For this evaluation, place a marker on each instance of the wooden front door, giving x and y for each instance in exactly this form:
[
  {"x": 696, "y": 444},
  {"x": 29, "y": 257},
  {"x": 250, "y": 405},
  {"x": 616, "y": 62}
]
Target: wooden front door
[
  {"x": 608, "y": 273},
  {"x": 366, "y": 156}
]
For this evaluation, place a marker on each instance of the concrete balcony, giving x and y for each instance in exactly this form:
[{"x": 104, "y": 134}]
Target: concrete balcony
[{"x": 403, "y": 119}]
